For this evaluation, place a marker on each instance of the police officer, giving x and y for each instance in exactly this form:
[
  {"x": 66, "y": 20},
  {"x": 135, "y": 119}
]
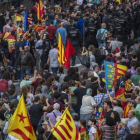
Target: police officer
[
  {"x": 118, "y": 28},
  {"x": 74, "y": 36},
  {"x": 122, "y": 22},
  {"x": 45, "y": 48},
  {"x": 129, "y": 21},
  {"x": 137, "y": 19},
  {"x": 91, "y": 34}
]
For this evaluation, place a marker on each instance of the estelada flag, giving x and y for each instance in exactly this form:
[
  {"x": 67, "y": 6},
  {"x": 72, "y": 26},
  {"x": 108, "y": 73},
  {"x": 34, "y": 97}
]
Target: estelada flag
[
  {"x": 20, "y": 125},
  {"x": 61, "y": 52},
  {"x": 120, "y": 94},
  {"x": 40, "y": 9},
  {"x": 69, "y": 52},
  {"x": 65, "y": 128}
]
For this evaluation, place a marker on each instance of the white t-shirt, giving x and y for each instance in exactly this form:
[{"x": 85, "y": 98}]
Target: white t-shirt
[{"x": 91, "y": 132}]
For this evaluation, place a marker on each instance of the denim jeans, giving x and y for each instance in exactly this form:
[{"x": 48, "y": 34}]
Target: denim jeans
[
  {"x": 25, "y": 71},
  {"x": 55, "y": 69}
]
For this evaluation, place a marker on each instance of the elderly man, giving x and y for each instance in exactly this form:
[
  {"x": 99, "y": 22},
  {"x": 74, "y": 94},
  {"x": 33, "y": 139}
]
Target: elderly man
[
  {"x": 55, "y": 114},
  {"x": 132, "y": 120},
  {"x": 134, "y": 133}
]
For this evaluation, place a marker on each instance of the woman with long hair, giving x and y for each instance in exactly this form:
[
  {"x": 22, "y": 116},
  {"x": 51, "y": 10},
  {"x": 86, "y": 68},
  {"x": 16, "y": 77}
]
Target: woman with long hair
[
  {"x": 107, "y": 126},
  {"x": 24, "y": 91},
  {"x": 99, "y": 57},
  {"x": 50, "y": 82}
]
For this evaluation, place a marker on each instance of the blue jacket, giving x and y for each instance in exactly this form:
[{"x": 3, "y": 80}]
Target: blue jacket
[{"x": 80, "y": 25}]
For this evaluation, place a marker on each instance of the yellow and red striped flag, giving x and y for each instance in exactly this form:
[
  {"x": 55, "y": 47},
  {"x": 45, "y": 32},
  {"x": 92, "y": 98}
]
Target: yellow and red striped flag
[
  {"x": 126, "y": 110},
  {"x": 65, "y": 128},
  {"x": 18, "y": 17},
  {"x": 128, "y": 85},
  {"x": 4, "y": 61},
  {"x": 99, "y": 133},
  {"x": 6, "y": 35},
  {"x": 11, "y": 40},
  {"x": 120, "y": 94},
  {"x": 61, "y": 52},
  {"x": 40, "y": 10},
  {"x": 20, "y": 125}
]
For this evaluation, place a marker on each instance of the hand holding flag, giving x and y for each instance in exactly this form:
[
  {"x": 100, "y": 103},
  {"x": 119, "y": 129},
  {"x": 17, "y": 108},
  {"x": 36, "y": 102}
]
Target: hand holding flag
[{"x": 20, "y": 125}]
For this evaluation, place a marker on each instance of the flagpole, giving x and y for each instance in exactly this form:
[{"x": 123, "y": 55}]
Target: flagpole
[{"x": 49, "y": 136}]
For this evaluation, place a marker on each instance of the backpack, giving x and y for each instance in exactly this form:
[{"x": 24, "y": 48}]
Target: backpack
[
  {"x": 100, "y": 35},
  {"x": 3, "y": 85},
  {"x": 24, "y": 58}
]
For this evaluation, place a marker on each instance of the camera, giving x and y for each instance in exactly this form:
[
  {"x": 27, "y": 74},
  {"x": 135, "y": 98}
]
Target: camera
[{"x": 46, "y": 118}]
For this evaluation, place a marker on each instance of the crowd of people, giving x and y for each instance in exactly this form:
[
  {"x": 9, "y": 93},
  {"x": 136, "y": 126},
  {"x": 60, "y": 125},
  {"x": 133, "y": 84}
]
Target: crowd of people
[{"x": 104, "y": 31}]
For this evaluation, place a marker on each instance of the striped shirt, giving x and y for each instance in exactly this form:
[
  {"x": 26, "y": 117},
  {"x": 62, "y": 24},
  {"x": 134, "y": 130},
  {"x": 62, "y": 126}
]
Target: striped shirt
[
  {"x": 99, "y": 96},
  {"x": 108, "y": 132}
]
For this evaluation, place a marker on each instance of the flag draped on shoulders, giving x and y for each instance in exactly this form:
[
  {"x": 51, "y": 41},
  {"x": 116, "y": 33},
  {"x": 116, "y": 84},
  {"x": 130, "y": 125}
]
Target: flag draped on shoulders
[
  {"x": 20, "y": 125},
  {"x": 69, "y": 52},
  {"x": 99, "y": 114},
  {"x": 61, "y": 52},
  {"x": 6, "y": 35},
  {"x": 112, "y": 73},
  {"x": 65, "y": 128},
  {"x": 11, "y": 40},
  {"x": 40, "y": 10},
  {"x": 120, "y": 94}
]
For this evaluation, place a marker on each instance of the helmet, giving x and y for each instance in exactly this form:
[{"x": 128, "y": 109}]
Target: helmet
[
  {"x": 121, "y": 13},
  {"x": 91, "y": 20},
  {"x": 46, "y": 35},
  {"x": 116, "y": 21}
]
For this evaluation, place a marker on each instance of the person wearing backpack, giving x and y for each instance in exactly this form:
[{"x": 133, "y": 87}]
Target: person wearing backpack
[
  {"x": 25, "y": 61},
  {"x": 101, "y": 34}
]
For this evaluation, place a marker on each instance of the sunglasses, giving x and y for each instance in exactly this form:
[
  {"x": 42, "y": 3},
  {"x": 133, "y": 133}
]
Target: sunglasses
[{"x": 6, "y": 98}]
